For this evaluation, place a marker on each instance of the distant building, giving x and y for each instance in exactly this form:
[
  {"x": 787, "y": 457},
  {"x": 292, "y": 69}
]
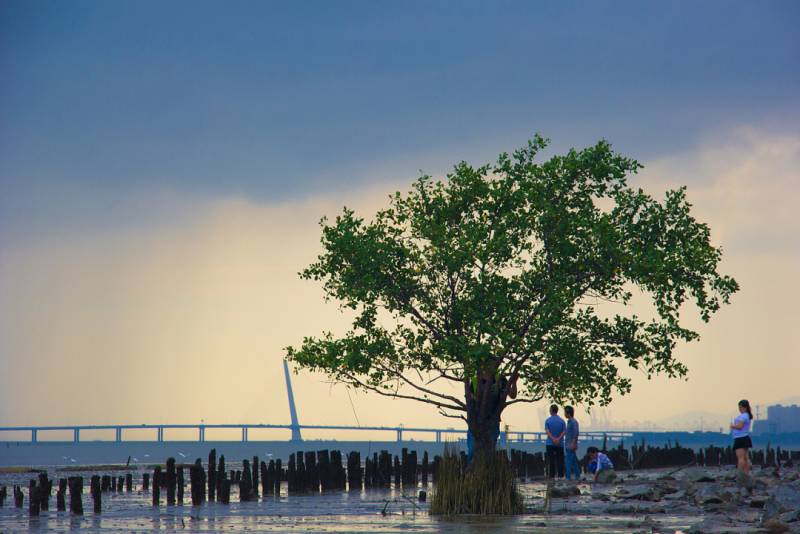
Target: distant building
[{"x": 779, "y": 419}]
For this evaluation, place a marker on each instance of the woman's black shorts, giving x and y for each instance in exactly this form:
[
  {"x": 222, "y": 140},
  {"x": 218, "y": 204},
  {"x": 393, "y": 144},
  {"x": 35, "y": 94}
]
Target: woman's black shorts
[{"x": 742, "y": 443}]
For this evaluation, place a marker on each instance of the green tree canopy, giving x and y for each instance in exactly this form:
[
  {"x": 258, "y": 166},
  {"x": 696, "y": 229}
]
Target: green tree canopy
[{"x": 489, "y": 278}]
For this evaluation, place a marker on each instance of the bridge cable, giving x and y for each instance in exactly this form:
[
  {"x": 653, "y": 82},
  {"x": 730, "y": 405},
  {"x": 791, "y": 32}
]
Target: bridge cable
[{"x": 352, "y": 406}]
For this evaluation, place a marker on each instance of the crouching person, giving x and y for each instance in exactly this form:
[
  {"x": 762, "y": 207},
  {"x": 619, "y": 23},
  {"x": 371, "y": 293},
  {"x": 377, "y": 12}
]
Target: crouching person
[{"x": 601, "y": 466}]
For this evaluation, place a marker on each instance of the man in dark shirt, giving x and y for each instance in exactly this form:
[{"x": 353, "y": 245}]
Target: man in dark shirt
[{"x": 571, "y": 444}]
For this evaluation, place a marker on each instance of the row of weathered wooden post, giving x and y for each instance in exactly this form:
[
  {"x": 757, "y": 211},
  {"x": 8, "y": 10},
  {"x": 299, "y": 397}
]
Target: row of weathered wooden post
[{"x": 310, "y": 472}]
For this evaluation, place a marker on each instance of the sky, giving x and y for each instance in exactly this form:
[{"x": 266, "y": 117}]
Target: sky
[{"x": 163, "y": 167}]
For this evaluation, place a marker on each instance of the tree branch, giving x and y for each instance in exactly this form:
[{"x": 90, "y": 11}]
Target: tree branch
[
  {"x": 402, "y": 377},
  {"x": 523, "y": 399},
  {"x": 397, "y": 395},
  {"x": 451, "y": 416}
]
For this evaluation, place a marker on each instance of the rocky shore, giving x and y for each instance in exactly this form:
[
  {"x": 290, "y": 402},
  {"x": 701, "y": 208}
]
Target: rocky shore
[{"x": 716, "y": 500}]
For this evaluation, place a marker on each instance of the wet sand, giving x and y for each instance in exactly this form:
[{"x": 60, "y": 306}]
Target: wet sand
[{"x": 694, "y": 500}]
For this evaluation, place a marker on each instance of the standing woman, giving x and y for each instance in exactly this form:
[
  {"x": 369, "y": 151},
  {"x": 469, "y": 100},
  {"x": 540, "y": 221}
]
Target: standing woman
[{"x": 740, "y": 430}]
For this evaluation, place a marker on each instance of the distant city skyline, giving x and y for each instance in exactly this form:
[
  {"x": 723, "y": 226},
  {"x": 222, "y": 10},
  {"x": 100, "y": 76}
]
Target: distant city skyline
[{"x": 163, "y": 167}]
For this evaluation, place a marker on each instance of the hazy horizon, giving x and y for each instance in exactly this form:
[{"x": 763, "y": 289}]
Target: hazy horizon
[{"x": 163, "y": 168}]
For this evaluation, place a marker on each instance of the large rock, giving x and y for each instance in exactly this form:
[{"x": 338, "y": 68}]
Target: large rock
[
  {"x": 769, "y": 472},
  {"x": 697, "y": 474},
  {"x": 642, "y": 492},
  {"x": 638, "y": 508},
  {"x": 606, "y": 476},
  {"x": 560, "y": 492},
  {"x": 776, "y": 526},
  {"x": 771, "y": 510},
  {"x": 790, "y": 517},
  {"x": 788, "y": 497},
  {"x": 708, "y": 525},
  {"x": 712, "y": 494},
  {"x": 676, "y": 496},
  {"x": 743, "y": 480}
]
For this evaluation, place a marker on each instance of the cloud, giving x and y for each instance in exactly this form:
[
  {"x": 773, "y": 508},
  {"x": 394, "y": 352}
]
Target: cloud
[{"x": 184, "y": 315}]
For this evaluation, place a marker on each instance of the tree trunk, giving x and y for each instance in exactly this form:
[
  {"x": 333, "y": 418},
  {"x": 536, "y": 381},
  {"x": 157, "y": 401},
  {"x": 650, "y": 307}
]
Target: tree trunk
[{"x": 486, "y": 399}]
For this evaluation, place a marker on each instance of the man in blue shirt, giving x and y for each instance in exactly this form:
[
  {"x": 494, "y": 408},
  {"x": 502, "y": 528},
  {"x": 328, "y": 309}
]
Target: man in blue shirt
[
  {"x": 571, "y": 444},
  {"x": 555, "y": 428}
]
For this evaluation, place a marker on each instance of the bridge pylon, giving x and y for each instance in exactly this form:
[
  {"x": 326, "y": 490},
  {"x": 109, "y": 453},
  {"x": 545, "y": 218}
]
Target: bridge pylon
[{"x": 292, "y": 409}]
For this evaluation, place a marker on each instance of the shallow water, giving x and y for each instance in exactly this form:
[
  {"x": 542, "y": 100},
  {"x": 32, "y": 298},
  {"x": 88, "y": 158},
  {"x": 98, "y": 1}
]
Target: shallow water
[{"x": 328, "y": 512}]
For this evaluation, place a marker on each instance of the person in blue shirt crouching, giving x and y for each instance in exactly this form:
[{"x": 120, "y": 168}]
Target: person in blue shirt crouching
[{"x": 601, "y": 466}]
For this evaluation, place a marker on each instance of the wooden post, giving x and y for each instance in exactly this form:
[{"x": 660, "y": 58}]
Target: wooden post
[
  {"x": 34, "y": 499},
  {"x": 171, "y": 481},
  {"x": 220, "y": 476},
  {"x": 198, "y": 482},
  {"x": 120, "y": 482},
  {"x": 278, "y": 477},
  {"x": 157, "y": 486},
  {"x": 180, "y": 482},
  {"x": 194, "y": 482},
  {"x": 354, "y": 471},
  {"x": 246, "y": 483},
  {"x": 61, "y": 499},
  {"x": 96, "y": 493},
  {"x": 75, "y": 495},
  {"x": 385, "y": 469},
  {"x": 291, "y": 474},
  {"x": 255, "y": 466},
  {"x": 3, "y": 494},
  {"x": 45, "y": 486},
  {"x": 397, "y": 472},
  {"x": 271, "y": 477},
  {"x": 338, "y": 473},
  {"x": 312, "y": 479},
  {"x": 322, "y": 467},
  {"x": 212, "y": 475},
  {"x": 225, "y": 490},
  {"x": 18, "y": 495},
  {"x": 146, "y": 481},
  {"x": 129, "y": 482},
  {"x": 404, "y": 466},
  {"x": 265, "y": 489},
  {"x": 425, "y": 468},
  {"x": 413, "y": 468}
]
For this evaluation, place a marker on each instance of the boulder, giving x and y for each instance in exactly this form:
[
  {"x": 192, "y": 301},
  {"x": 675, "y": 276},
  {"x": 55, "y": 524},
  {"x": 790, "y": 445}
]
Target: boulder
[
  {"x": 788, "y": 497},
  {"x": 775, "y": 525},
  {"x": 606, "y": 476},
  {"x": 769, "y": 472},
  {"x": 642, "y": 492},
  {"x": 743, "y": 480},
  {"x": 705, "y": 526},
  {"x": 790, "y": 517},
  {"x": 771, "y": 509},
  {"x": 697, "y": 474},
  {"x": 639, "y": 508},
  {"x": 676, "y": 496},
  {"x": 712, "y": 494},
  {"x": 560, "y": 492}
]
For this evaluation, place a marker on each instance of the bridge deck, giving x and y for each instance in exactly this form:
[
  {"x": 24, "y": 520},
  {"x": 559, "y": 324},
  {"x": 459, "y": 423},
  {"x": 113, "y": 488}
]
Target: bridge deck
[{"x": 437, "y": 433}]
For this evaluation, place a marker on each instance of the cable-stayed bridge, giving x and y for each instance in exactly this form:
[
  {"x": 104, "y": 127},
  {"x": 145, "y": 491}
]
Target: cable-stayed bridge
[{"x": 436, "y": 434}]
